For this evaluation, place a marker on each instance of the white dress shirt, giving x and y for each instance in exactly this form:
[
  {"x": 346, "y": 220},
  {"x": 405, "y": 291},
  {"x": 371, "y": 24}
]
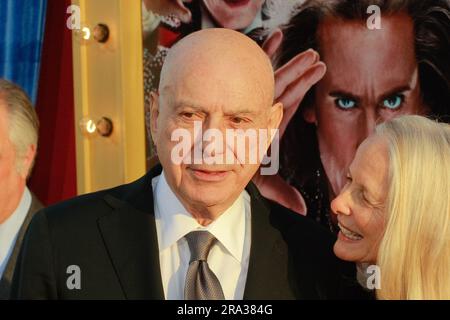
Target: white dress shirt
[
  {"x": 10, "y": 229},
  {"x": 228, "y": 258}
]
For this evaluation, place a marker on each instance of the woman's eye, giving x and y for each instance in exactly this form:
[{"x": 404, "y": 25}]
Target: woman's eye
[
  {"x": 363, "y": 196},
  {"x": 393, "y": 102},
  {"x": 345, "y": 103}
]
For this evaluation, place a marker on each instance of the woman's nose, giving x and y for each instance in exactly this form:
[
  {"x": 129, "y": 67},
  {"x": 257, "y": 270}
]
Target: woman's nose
[{"x": 341, "y": 204}]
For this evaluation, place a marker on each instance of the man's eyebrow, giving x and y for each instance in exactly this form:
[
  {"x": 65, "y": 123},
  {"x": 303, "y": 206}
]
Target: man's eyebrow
[
  {"x": 395, "y": 90},
  {"x": 343, "y": 93},
  {"x": 241, "y": 112},
  {"x": 390, "y": 93},
  {"x": 187, "y": 104}
]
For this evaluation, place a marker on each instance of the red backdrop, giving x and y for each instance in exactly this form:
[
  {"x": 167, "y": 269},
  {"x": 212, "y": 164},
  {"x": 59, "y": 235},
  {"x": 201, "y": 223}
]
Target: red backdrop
[{"x": 54, "y": 175}]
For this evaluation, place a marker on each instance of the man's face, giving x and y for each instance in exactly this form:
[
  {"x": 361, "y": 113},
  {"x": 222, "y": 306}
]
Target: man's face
[
  {"x": 205, "y": 96},
  {"x": 372, "y": 76},
  {"x": 11, "y": 182},
  {"x": 234, "y": 14}
]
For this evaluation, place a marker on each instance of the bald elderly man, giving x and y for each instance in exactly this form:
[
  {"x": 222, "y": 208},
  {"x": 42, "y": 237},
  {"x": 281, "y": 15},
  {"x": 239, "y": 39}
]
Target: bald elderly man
[{"x": 189, "y": 229}]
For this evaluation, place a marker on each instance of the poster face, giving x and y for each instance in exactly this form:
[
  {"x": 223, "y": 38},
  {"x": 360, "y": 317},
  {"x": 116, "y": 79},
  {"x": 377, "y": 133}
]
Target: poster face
[{"x": 383, "y": 59}]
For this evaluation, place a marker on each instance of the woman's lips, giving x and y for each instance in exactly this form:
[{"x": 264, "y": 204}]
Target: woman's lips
[
  {"x": 236, "y": 3},
  {"x": 347, "y": 234}
]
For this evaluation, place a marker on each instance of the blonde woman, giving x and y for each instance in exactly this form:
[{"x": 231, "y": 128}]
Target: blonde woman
[{"x": 394, "y": 211}]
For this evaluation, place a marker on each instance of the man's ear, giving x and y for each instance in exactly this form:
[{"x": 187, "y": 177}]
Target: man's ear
[
  {"x": 154, "y": 114},
  {"x": 276, "y": 115},
  {"x": 27, "y": 161},
  {"x": 309, "y": 115}
]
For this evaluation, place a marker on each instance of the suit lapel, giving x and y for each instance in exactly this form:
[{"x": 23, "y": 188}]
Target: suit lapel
[
  {"x": 268, "y": 276},
  {"x": 6, "y": 279},
  {"x": 130, "y": 237}
]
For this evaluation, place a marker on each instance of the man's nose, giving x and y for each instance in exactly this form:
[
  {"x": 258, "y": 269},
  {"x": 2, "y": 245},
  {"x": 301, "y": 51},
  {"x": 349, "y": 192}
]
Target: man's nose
[
  {"x": 367, "y": 123},
  {"x": 213, "y": 136},
  {"x": 341, "y": 204},
  {"x": 213, "y": 122},
  {"x": 371, "y": 120}
]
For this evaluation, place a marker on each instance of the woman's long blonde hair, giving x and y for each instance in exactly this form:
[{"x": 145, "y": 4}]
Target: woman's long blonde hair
[{"x": 414, "y": 254}]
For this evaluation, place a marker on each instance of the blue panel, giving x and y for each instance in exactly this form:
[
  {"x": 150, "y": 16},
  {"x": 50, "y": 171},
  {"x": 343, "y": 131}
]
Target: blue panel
[{"x": 22, "y": 24}]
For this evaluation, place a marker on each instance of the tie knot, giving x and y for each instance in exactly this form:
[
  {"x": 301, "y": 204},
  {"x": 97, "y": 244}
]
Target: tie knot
[{"x": 200, "y": 242}]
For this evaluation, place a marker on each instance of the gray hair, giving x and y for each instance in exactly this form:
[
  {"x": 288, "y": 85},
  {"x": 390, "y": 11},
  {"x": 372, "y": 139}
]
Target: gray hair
[{"x": 23, "y": 120}]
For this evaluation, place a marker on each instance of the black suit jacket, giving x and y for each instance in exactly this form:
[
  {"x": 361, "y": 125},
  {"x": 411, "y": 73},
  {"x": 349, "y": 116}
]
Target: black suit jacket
[
  {"x": 5, "y": 280},
  {"x": 111, "y": 236}
]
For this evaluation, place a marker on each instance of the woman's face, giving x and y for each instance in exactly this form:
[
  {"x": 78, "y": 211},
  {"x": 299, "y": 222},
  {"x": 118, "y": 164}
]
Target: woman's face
[
  {"x": 234, "y": 14},
  {"x": 360, "y": 207}
]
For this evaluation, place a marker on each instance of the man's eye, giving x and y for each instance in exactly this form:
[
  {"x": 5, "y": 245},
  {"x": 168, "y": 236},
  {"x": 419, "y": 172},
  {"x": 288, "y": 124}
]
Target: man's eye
[
  {"x": 188, "y": 115},
  {"x": 393, "y": 102},
  {"x": 345, "y": 103},
  {"x": 237, "y": 120}
]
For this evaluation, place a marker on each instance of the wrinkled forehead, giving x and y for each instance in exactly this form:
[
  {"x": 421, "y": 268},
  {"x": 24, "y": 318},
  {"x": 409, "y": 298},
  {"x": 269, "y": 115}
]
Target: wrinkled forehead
[
  {"x": 213, "y": 84},
  {"x": 353, "y": 51},
  {"x": 4, "y": 122},
  {"x": 212, "y": 94},
  {"x": 218, "y": 66},
  {"x": 396, "y": 32},
  {"x": 371, "y": 164}
]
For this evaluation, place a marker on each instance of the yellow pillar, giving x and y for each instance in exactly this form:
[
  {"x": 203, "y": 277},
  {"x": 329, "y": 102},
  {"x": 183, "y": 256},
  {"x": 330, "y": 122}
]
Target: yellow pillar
[{"x": 108, "y": 81}]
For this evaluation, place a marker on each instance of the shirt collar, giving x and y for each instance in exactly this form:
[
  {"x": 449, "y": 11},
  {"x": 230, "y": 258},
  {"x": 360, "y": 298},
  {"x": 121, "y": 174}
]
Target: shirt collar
[
  {"x": 18, "y": 216},
  {"x": 175, "y": 221},
  {"x": 9, "y": 229}
]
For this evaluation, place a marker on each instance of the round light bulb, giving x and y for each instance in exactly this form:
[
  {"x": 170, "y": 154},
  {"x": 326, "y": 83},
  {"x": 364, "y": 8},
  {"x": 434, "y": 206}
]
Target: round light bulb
[
  {"x": 88, "y": 127},
  {"x": 86, "y": 33},
  {"x": 83, "y": 34}
]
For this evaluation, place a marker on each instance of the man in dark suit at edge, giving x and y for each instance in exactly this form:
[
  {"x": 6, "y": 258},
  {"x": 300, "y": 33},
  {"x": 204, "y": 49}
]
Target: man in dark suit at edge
[{"x": 19, "y": 126}]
